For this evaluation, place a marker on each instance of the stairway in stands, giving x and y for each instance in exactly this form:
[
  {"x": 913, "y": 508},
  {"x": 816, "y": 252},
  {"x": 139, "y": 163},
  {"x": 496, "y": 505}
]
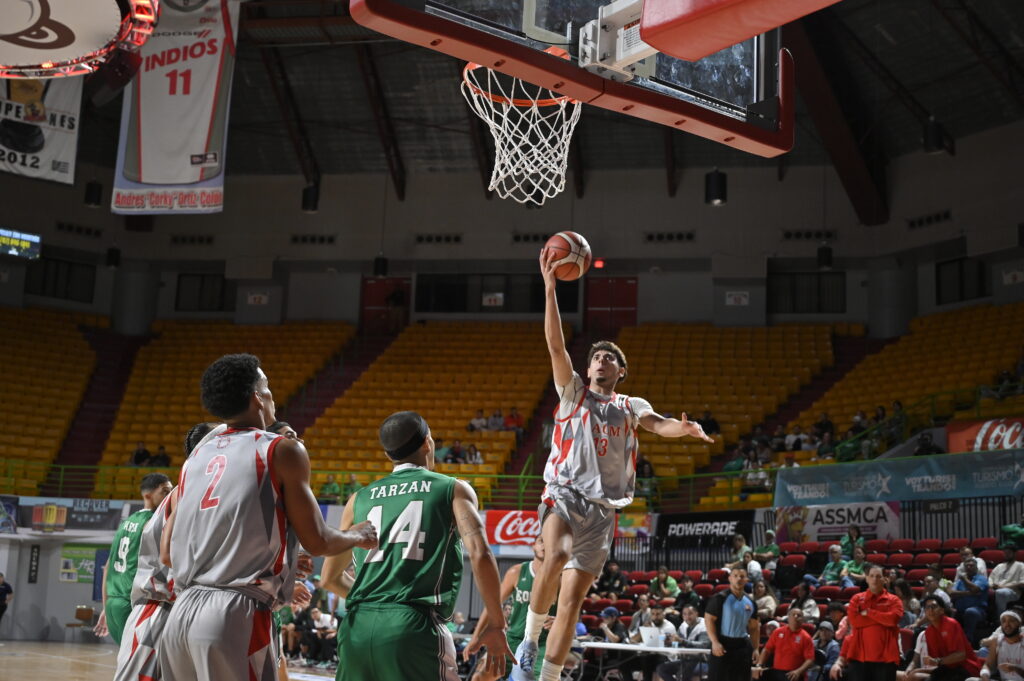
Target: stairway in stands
[
  {"x": 333, "y": 380},
  {"x": 91, "y": 425}
]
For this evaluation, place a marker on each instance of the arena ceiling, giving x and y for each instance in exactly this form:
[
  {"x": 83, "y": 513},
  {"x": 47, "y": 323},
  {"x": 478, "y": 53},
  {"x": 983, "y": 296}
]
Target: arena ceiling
[{"x": 309, "y": 81}]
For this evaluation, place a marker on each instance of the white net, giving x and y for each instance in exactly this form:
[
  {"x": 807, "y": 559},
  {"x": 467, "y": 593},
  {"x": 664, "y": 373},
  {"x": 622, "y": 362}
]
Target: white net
[{"x": 532, "y": 129}]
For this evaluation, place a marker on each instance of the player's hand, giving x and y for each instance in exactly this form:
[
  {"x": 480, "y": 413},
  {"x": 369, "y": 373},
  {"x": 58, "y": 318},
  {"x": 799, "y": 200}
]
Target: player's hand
[
  {"x": 693, "y": 429},
  {"x": 492, "y": 638},
  {"x": 717, "y": 649},
  {"x": 364, "y": 535},
  {"x": 101, "y": 625},
  {"x": 548, "y": 622},
  {"x": 301, "y": 596},
  {"x": 794, "y": 675},
  {"x": 836, "y": 671},
  {"x": 547, "y": 268},
  {"x": 304, "y": 565}
]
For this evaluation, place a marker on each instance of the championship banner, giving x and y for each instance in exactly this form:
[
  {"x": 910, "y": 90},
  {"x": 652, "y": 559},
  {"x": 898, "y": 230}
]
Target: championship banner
[
  {"x": 982, "y": 436},
  {"x": 704, "y": 528},
  {"x": 939, "y": 476},
  {"x": 174, "y": 120},
  {"x": 830, "y": 523},
  {"x": 39, "y": 127}
]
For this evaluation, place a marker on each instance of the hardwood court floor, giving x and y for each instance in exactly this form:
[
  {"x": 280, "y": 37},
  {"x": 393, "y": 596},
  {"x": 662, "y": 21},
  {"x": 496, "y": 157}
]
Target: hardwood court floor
[{"x": 51, "y": 661}]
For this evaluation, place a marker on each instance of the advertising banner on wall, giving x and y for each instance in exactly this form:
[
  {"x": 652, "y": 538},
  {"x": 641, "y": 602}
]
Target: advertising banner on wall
[
  {"x": 39, "y": 127},
  {"x": 876, "y": 520},
  {"x": 984, "y": 436},
  {"x": 78, "y": 562},
  {"x": 174, "y": 120},
  {"x": 51, "y": 514},
  {"x": 696, "y": 528},
  {"x": 940, "y": 476}
]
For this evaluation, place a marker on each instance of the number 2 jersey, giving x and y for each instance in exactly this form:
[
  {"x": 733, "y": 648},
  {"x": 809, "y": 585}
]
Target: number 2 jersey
[
  {"x": 230, "y": 529},
  {"x": 594, "y": 445},
  {"x": 152, "y": 578},
  {"x": 124, "y": 555},
  {"x": 419, "y": 559}
]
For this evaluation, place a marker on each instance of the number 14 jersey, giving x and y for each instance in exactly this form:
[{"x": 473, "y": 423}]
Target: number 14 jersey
[{"x": 419, "y": 559}]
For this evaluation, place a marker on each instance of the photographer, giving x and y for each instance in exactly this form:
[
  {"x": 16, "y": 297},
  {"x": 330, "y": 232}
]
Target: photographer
[{"x": 925, "y": 446}]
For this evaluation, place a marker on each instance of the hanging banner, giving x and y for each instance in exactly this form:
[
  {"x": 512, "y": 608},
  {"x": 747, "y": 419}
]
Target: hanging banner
[
  {"x": 78, "y": 562},
  {"x": 830, "y": 523},
  {"x": 699, "y": 528},
  {"x": 39, "y": 127},
  {"x": 983, "y": 436},
  {"x": 174, "y": 120},
  {"x": 939, "y": 476}
]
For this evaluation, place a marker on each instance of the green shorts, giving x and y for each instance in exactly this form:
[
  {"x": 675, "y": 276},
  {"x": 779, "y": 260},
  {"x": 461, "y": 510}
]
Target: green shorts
[
  {"x": 117, "y": 610},
  {"x": 392, "y": 642}
]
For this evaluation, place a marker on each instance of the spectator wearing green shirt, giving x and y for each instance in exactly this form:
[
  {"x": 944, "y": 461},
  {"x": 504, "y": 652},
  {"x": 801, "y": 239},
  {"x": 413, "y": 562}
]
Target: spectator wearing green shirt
[
  {"x": 832, "y": 574},
  {"x": 855, "y": 567},
  {"x": 329, "y": 491},
  {"x": 767, "y": 554},
  {"x": 351, "y": 487},
  {"x": 663, "y": 585},
  {"x": 739, "y": 547},
  {"x": 849, "y": 540}
]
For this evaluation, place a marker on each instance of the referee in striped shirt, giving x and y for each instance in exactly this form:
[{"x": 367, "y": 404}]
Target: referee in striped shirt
[{"x": 734, "y": 630}]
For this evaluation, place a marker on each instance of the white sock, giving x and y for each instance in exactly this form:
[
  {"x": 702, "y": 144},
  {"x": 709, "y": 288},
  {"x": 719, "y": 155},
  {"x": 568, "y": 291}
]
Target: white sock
[
  {"x": 550, "y": 671},
  {"x": 534, "y": 624}
]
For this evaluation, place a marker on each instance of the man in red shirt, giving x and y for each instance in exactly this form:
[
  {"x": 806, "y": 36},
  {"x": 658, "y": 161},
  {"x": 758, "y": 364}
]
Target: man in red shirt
[
  {"x": 949, "y": 651},
  {"x": 793, "y": 651},
  {"x": 872, "y": 652}
]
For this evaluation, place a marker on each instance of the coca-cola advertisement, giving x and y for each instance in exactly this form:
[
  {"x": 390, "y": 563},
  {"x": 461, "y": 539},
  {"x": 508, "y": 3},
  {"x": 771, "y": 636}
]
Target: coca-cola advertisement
[
  {"x": 986, "y": 436},
  {"x": 512, "y": 528}
]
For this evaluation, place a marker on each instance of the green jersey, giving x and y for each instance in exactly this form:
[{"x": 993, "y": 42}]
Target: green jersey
[
  {"x": 419, "y": 559},
  {"x": 521, "y": 603},
  {"x": 124, "y": 555}
]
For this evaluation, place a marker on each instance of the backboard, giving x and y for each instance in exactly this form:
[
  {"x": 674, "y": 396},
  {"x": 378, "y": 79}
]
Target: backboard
[{"x": 741, "y": 96}]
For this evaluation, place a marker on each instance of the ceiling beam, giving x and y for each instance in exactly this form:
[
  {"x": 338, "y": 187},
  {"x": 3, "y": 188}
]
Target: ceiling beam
[
  {"x": 864, "y": 186},
  {"x": 285, "y": 96},
  {"x": 991, "y": 52},
  {"x": 671, "y": 174},
  {"x": 385, "y": 126}
]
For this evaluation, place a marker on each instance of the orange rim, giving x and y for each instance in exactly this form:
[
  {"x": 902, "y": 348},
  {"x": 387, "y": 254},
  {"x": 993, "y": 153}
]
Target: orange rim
[{"x": 498, "y": 99}]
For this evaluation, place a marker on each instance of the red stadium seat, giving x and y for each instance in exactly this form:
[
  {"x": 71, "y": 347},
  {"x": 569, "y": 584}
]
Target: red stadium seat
[
  {"x": 1020, "y": 555},
  {"x": 603, "y": 603},
  {"x": 637, "y": 576},
  {"x": 787, "y": 547},
  {"x": 901, "y": 545},
  {"x": 916, "y": 575},
  {"x": 876, "y": 545},
  {"x": 899, "y": 560},
  {"x": 984, "y": 543},
  {"x": 809, "y": 628},
  {"x": 925, "y": 559},
  {"x": 877, "y": 558},
  {"x": 809, "y": 547},
  {"x": 949, "y": 572},
  {"x": 624, "y": 605},
  {"x": 827, "y": 593},
  {"x": 918, "y": 591},
  {"x": 591, "y": 621},
  {"x": 721, "y": 587},
  {"x": 704, "y": 590},
  {"x": 637, "y": 589},
  {"x": 955, "y": 543},
  {"x": 782, "y": 610},
  {"x": 591, "y": 606},
  {"x": 797, "y": 560},
  {"x": 766, "y": 575},
  {"x": 849, "y": 592},
  {"x": 992, "y": 557},
  {"x": 650, "y": 574},
  {"x": 626, "y": 620},
  {"x": 907, "y": 639},
  {"x": 951, "y": 559},
  {"x": 717, "y": 576},
  {"x": 675, "y": 574},
  {"x": 668, "y": 601},
  {"x": 695, "y": 575},
  {"x": 822, "y": 611},
  {"x": 933, "y": 545}
]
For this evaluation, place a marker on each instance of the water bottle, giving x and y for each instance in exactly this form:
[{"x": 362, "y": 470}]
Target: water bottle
[{"x": 661, "y": 641}]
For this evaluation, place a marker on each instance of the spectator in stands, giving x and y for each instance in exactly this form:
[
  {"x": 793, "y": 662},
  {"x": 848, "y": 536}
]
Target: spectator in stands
[
  {"x": 852, "y": 538},
  {"x": 848, "y": 448},
  {"x": 351, "y": 487},
  {"x": 873, "y": 650},
  {"x": 753, "y": 568},
  {"x": 440, "y": 451},
  {"x": 496, "y": 421},
  {"x": 473, "y": 455},
  {"x": 860, "y": 422},
  {"x": 514, "y": 422},
  {"x": 1006, "y": 658},
  {"x": 329, "y": 492},
  {"x": 746, "y": 445},
  {"x": 778, "y": 439},
  {"x": 646, "y": 485},
  {"x": 811, "y": 443},
  {"x": 795, "y": 439},
  {"x": 764, "y": 599},
  {"x": 896, "y": 423},
  {"x": 826, "y": 450},
  {"x": 322, "y": 640},
  {"x": 1007, "y": 578},
  {"x": 709, "y": 424},
  {"x": 926, "y": 447},
  {"x": 789, "y": 461},
  {"x": 140, "y": 456},
  {"x": 692, "y": 634},
  {"x": 1003, "y": 385},
  {"x": 935, "y": 570},
  {"x": 967, "y": 555},
  {"x": 911, "y": 606},
  {"x": 478, "y": 422},
  {"x": 949, "y": 650},
  {"x": 159, "y": 460},
  {"x": 768, "y": 553},
  {"x": 739, "y": 547},
  {"x": 687, "y": 596},
  {"x": 647, "y": 663},
  {"x": 970, "y": 597},
  {"x": 765, "y": 454},
  {"x": 792, "y": 651},
  {"x": 837, "y": 616},
  {"x": 612, "y": 582},
  {"x": 833, "y": 572},
  {"x": 931, "y": 588},
  {"x": 663, "y": 585},
  {"x": 826, "y": 647},
  {"x": 611, "y": 628},
  {"x": 641, "y": 616},
  {"x": 856, "y": 565},
  {"x": 880, "y": 415},
  {"x": 755, "y": 478},
  {"x": 456, "y": 453},
  {"x": 824, "y": 425},
  {"x": 804, "y": 601}
]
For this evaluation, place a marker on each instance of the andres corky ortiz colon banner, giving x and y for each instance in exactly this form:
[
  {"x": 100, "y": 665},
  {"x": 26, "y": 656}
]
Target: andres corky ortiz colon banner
[{"x": 174, "y": 120}]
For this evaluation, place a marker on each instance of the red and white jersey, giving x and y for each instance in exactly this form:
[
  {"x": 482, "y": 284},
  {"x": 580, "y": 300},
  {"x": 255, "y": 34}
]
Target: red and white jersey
[
  {"x": 179, "y": 98},
  {"x": 230, "y": 529},
  {"x": 593, "y": 449},
  {"x": 152, "y": 578}
]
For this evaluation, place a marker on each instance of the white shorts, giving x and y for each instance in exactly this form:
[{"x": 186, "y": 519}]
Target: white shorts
[{"x": 593, "y": 526}]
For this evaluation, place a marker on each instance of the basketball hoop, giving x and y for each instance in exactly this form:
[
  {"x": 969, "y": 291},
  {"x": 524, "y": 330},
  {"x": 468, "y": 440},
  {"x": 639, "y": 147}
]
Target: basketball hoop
[{"x": 531, "y": 126}]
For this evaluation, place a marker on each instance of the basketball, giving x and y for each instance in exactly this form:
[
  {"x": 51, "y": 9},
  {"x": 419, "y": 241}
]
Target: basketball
[{"x": 573, "y": 255}]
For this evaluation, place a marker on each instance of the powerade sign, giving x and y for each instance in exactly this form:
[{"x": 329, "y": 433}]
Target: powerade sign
[
  {"x": 684, "y": 528},
  {"x": 942, "y": 476}
]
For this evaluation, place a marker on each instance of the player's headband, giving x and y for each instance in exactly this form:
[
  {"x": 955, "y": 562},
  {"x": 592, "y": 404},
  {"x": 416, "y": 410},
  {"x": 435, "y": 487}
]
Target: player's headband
[
  {"x": 1011, "y": 613},
  {"x": 413, "y": 444}
]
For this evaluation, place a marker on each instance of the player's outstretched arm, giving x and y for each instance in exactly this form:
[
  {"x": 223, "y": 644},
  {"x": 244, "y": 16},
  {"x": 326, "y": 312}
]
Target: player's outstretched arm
[
  {"x": 561, "y": 363},
  {"x": 485, "y": 570},
  {"x": 334, "y": 575},
  {"x": 659, "y": 425},
  {"x": 291, "y": 467},
  {"x": 508, "y": 585}
]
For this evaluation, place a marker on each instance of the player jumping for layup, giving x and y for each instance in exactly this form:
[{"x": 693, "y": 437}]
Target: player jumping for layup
[{"x": 590, "y": 472}]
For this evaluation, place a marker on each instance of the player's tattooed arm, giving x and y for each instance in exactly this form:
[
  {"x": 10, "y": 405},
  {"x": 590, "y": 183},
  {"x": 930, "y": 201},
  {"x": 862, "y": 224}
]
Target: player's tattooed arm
[
  {"x": 679, "y": 427},
  {"x": 561, "y": 363}
]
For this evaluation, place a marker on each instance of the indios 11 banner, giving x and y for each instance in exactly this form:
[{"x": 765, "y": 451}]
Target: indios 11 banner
[{"x": 174, "y": 120}]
